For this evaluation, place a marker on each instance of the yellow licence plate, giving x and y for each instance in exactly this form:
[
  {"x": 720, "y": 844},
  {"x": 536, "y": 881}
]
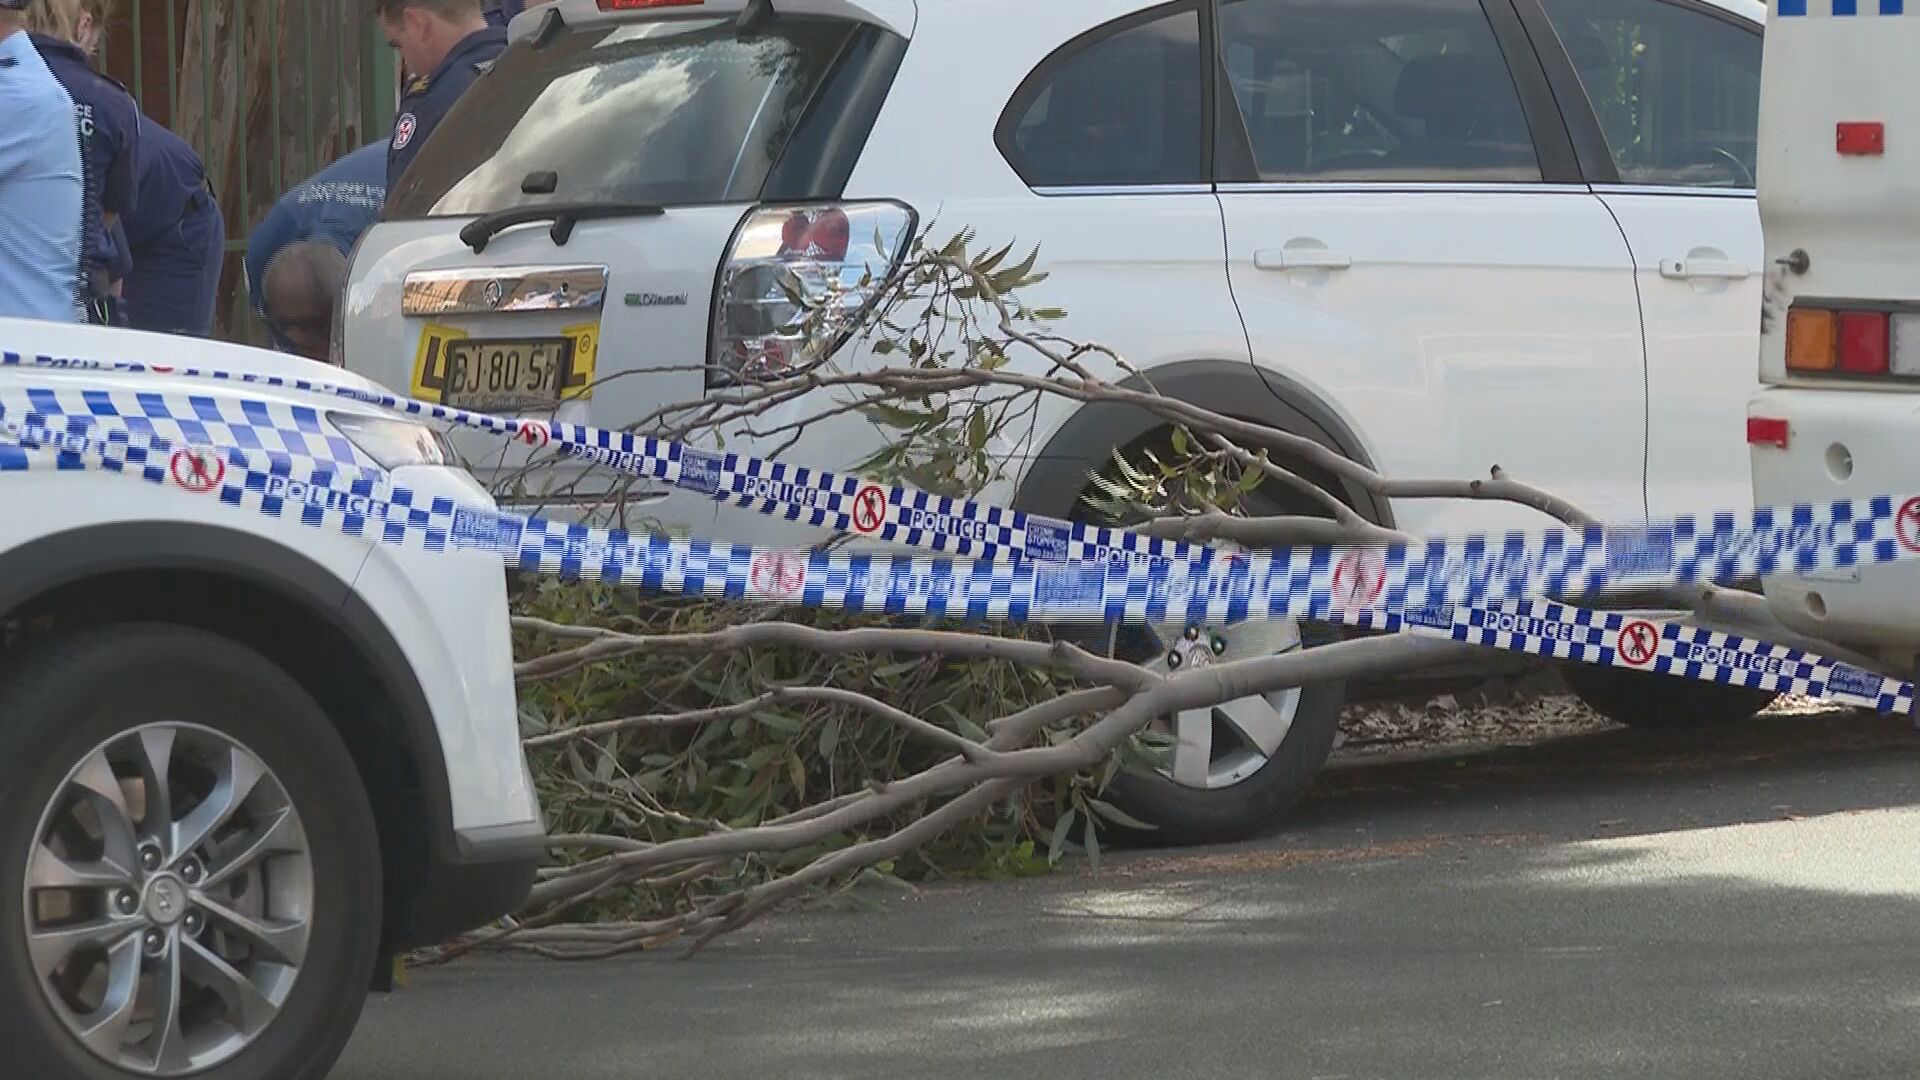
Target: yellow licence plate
[{"x": 504, "y": 374}]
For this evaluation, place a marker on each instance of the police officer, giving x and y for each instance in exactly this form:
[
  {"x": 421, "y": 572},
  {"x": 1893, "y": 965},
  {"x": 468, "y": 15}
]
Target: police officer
[
  {"x": 332, "y": 208},
  {"x": 41, "y": 183},
  {"x": 65, "y": 32},
  {"x": 453, "y": 43},
  {"x": 176, "y": 237}
]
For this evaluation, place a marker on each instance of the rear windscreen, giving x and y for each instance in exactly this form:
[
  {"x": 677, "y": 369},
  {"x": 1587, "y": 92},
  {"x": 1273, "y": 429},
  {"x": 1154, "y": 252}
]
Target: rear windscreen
[{"x": 674, "y": 112}]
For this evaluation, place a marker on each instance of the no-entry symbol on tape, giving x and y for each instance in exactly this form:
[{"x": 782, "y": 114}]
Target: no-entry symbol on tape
[
  {"x": 778, "y": 573},
  {"x": 1358, "y": 579},
  {"x": 1637, "y": 643},
  {"x": 198, "y": 471},
  {"x": 869, "y": 509},
  {"x": 1906, "y": 525}
]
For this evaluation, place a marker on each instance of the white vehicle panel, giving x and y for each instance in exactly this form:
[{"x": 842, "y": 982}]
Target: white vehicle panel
[
  {"x": 1698, "y": 262},
  {"x": 1459, "y": 331},
  {"x": 446, "y": 611},
  {"x": 1843, "y": 445}
]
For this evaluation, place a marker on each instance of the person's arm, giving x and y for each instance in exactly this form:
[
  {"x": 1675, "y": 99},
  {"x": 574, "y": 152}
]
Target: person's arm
[
  {"x": 272, "y": 234},
  {"x": 121, "y": 189},
  {"x": 119, "y": 252}
]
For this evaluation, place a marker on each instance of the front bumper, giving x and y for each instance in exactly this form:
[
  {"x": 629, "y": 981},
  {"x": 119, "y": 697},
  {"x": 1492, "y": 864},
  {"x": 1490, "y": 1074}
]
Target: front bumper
[
  {"x": 1844, "y": 444},
  {"x": 490, "y": 875}
]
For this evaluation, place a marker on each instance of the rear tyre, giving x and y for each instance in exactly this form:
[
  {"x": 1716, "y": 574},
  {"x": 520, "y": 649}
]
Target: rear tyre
[
  {"x": 189, "y": 870},
  {"x": 1661, "y": 702},
  {"x": 1237, "y": 766}
]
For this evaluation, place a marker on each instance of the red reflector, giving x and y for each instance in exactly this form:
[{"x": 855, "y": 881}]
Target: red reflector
[
  {"x": 636, "y": 5},
  {"x": 1865, "y": 138},
  {"x": 1766, "y": 431},
  {"x": 1863, "y": 343}
]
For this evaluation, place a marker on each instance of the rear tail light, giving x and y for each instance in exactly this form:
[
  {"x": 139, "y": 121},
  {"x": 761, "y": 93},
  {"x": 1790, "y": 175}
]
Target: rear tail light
[
  {"x": 1905, "y": 349},
  {"x": 796, "y": 282},
  {"x": 1852, "y": 340},
  {"x": 1863, "y": 342},
  {"x": 1811, "y": 340}
]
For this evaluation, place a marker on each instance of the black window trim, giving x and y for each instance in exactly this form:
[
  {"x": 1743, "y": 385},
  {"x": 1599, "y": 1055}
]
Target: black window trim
[
  {"x": 1552, "y": 145},
  {"x": 1596, "y": 158},
  {"x": 1036, "y": 80}
]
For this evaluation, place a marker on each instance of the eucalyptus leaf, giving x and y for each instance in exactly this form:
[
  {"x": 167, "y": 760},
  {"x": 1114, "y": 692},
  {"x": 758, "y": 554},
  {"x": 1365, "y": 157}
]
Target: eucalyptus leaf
[{"x": 1059, "y": 840}]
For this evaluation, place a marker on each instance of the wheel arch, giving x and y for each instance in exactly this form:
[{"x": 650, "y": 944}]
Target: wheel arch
[
  {"x": 1053, "y": 484},
  {"x": 297, "y": 613}
]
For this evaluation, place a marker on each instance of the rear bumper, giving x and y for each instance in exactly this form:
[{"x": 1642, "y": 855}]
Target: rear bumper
[{"x": 1844, "y": 444}]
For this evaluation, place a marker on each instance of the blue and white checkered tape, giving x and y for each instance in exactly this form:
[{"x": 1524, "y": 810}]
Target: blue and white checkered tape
[
  {"x": 1839, "y": 9},
  {"x": 1708, "y": 549},
  {"x": 362, "y": 502}
]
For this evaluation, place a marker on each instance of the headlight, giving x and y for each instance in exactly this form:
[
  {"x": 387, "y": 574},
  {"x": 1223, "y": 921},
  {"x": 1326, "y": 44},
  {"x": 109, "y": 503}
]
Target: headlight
[{"x": 391, "y": 442}]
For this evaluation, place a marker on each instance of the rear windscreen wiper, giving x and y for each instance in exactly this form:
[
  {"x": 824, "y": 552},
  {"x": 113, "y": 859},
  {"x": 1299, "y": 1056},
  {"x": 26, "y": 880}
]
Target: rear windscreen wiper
[{"x": 564, "y": 216}]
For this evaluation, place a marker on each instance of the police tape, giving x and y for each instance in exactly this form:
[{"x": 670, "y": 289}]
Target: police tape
[
  {"x": 1701, "y": 549},
  {"x": 364, "y": 503}
]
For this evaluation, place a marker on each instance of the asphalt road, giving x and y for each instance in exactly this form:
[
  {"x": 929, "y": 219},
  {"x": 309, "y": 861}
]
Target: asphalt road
[{"x": 1745, "y": 904}]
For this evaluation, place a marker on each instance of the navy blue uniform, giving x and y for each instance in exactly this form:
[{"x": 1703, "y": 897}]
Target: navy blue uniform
[
  {"x": 177, "y": 237},
  {"x": 501, "y": 12},
  {"x": 109, "y": 142},
  {"x": 336, "y": 205},
  {"x": 429, "y": 97}
]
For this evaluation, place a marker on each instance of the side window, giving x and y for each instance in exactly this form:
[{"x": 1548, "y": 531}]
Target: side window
[
  {"x": 1119, "y": 107},
  {"x": 1376, "y": 90},
  {"x": 1677, "y": 91}
]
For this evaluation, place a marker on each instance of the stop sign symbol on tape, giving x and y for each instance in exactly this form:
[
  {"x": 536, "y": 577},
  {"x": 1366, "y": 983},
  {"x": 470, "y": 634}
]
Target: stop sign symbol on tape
[
  {"x": 1637, "y": 643},
  {"x": 869, "y": 509},
  {"x": 1906, "y": 525},
  {"x": 1358, "y": 579}
]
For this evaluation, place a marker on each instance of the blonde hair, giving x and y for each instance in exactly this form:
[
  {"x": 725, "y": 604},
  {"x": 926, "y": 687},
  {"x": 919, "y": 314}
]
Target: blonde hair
[{"x": 61, "y": 18}]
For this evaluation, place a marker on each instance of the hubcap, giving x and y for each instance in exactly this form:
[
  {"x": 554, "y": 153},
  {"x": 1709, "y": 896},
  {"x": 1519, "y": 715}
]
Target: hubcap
[
  {"x": 1222, "y": 745},
  {"x": 169, "y": 898},
  {"x": 166, "y": 900}
]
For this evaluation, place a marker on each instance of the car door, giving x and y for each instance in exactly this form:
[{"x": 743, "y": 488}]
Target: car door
[
  {"x": 1674, "y": 91},
  {"x": 1410, "y": 239}
]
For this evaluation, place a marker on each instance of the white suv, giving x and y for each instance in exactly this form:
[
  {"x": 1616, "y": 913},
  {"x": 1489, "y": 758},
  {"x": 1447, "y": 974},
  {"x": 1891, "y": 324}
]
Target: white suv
[
  {"x": 1434, "y": 236},
  {"x": 242, "y": 761}
]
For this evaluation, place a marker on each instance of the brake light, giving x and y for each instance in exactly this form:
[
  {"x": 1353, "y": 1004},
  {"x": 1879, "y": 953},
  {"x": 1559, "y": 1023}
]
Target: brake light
[
  {"x": 797, "y": 281},
  {"x": 639, "y": 5},
  {"x": 1811, "y": 344},
  {"x": 1862, "y": 342},
  {"x": 1767, "y": 431}
]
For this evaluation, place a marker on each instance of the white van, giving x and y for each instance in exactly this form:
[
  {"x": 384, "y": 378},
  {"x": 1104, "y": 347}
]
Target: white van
[{"x": 1838, "y": 415}]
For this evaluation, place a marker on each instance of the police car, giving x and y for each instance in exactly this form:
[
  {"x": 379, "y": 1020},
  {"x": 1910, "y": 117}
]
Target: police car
[
  {"x": 1839, "y": 414},
  {"x": 242, "y": 760},
  {"x": 1433, "y": 237}
]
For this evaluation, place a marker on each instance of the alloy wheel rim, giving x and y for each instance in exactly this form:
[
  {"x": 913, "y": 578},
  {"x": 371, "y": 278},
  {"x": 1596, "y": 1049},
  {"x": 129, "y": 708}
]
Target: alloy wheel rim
[
  {"x": 168, "y": 899},
  {"x": 1222, "y": 745}
]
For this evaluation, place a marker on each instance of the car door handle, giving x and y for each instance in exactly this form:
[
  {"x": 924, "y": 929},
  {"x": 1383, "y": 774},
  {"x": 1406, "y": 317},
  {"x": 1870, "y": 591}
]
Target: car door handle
[
  {"x": 1300, "y": 258},
  {"x": 1684, "y": 269}
]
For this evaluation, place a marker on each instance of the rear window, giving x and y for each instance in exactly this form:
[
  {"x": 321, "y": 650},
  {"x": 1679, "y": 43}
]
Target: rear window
[{"x": 675, "y": 112}]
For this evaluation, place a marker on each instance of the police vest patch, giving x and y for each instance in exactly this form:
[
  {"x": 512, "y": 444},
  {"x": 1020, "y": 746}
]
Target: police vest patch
[{"x": 403, "y": 129}]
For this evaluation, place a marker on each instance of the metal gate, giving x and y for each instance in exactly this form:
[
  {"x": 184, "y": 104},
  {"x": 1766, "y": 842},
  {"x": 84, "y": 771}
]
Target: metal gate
[{"x": 268, "y": 91}]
